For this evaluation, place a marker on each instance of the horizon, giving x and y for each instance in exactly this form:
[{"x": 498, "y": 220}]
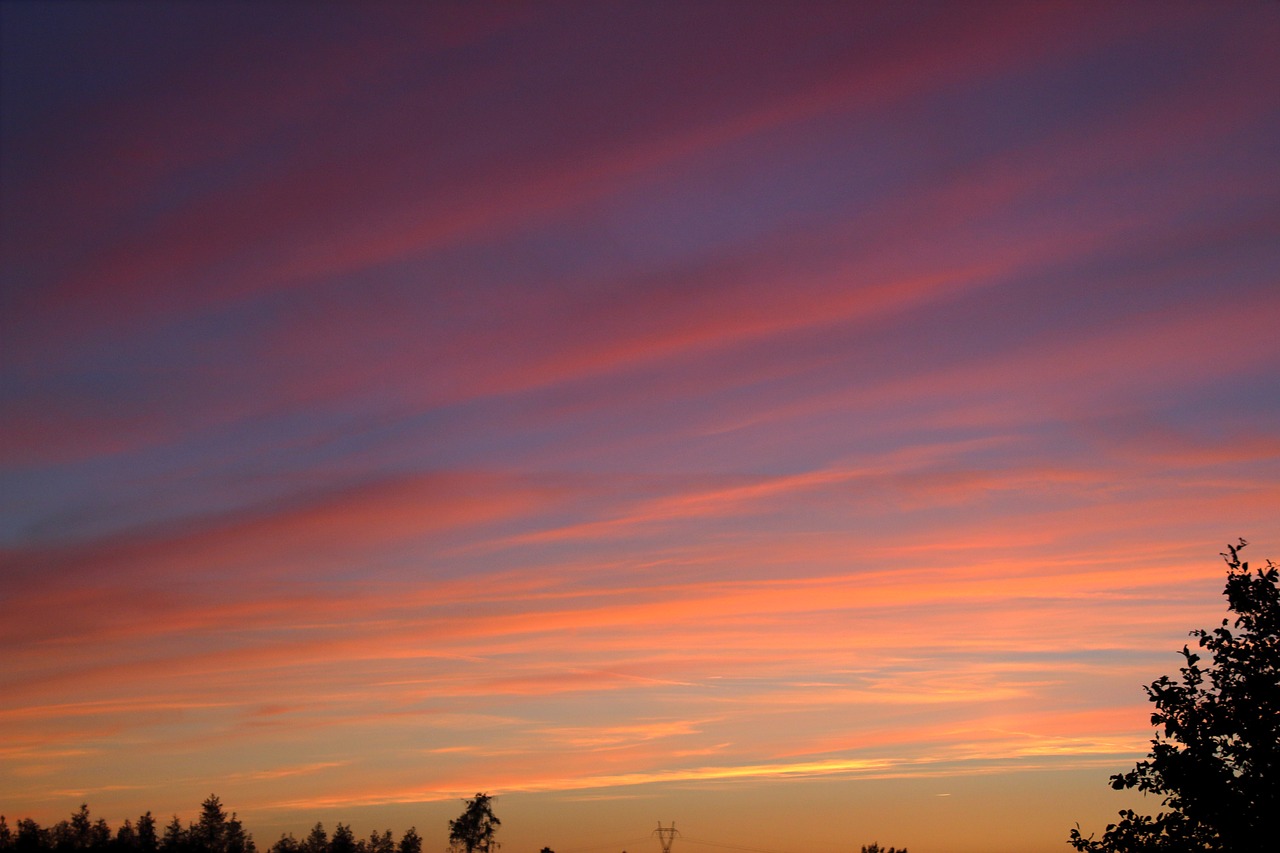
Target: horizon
[{"x": 810, "y": 425}]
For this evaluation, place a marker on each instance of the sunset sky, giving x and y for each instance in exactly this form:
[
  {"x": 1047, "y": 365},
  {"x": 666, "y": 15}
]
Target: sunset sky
[{"x": 811, "y": 423}]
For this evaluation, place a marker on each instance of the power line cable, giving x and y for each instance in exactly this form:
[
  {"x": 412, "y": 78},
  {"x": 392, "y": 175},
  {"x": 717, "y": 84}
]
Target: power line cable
[
  {"x": 619, "y": 845},
  {"x": 622, "y": 845},
  {"x": 730, "y": 846}
]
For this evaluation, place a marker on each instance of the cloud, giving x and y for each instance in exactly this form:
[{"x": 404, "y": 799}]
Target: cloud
[{"x": 504, "y": 399}]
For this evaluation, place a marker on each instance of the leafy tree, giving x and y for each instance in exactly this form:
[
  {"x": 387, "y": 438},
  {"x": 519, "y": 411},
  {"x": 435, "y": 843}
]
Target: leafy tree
[
  {"x": 474, "y": 829},
  {"x": 874, "y": 847},
  {"x": 1215, "y": 759},
  {"x": 6, "y": 836}
]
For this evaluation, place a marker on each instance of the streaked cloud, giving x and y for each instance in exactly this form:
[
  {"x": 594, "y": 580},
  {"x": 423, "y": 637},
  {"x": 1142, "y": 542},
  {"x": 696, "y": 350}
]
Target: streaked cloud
[{"x": 590, "y": 404}]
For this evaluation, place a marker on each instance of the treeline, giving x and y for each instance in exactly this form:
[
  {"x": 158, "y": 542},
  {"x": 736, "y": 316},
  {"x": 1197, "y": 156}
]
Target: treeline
[
  {"x": 344, "y": 841},
  {"x": 214, "y": 832}
]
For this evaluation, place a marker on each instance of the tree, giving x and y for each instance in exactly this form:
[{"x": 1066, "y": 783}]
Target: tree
[
  {"x": 235, "y": 839},
  {"x": 209, "y": 833},
  {"x": 126, "y": 838},
  {"x": 343, "y": 841},
  {"x": 100, "y": 836},
  {"x": 146, "y": 833},
  {"x": 1215, "y": 759},
  {"x": 317, "y": 841},
  {"x": 74, "y": 834},
  {"x": 30, "y": 837},
  {"x": 383, "y": 843},
  {"x": 874, "y": 847},
  {"x": 175, "y": 837},
  {"x": 410, "y": 842},
  {"x": 474, "y": 829}
]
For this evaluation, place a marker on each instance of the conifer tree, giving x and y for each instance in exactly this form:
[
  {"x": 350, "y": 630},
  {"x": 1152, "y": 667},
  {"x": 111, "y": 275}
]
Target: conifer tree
[
  {"x": 146, "y": 834},
  {"x": 410, "y": 842}
]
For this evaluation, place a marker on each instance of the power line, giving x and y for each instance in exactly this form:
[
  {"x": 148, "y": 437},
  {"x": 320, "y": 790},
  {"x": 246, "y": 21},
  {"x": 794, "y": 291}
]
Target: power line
[
  {"x": 613, "y": 845},
  {"x": 731, "y": 846},
  {"x": 622, "y": 845},
  {"x": 618, "y": 845}
]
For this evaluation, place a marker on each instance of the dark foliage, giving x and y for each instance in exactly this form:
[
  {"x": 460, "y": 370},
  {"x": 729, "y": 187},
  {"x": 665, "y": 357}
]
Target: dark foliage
[
  {"x": 410, "y": 842},
  {"x": 874, "y": 847},
  {"x": 1215, "y": 759},
  {"x": 344, "y": 841},
  {"x": 474, "y": 829},
  {"x": 213, "y": 832}
]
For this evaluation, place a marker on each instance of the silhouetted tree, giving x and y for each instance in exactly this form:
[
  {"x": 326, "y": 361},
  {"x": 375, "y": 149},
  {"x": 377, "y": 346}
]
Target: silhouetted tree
[
  {"x": 126, "y": 838},
  {"x": 410, "y": 842},
  {"x": 874, "y": 847},
  {"x": 343, "y": 841},
  {"x": 210, "y": 830},
  {"x": 176, "y": 837},
  {"x": 1215, "y": 759},
  {"x": 80, "y": 825},
  {"x": 146, "y": 834},
  {"x": 213, "y": 832},
  {"x": 100, "y": 836},
  {"x": 72, "y": 835},
  {"x": 317, "y": 841},
  {"x": 474, "y": 829},
  {"x": 235, "y": 839},
  {"x": 31, "y": 837},
  {"x": 383, "y": 843},
  {"x": 80, "y": 834},
  {"x": 286, "y": 844}
]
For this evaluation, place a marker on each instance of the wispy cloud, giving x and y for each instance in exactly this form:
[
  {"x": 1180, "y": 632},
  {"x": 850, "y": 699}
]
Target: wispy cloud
[{"x": 585, "y": 404}]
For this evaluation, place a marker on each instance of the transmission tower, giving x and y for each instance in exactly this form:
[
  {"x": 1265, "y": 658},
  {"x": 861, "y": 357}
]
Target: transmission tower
[{"x": 666, "y": 835}]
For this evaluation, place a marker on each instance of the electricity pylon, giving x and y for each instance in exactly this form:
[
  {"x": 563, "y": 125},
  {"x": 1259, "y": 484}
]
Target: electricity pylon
[{"x": 666, "y": 835}]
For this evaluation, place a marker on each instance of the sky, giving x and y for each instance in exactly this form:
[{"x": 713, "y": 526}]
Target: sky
[{"x": 810, "y": 423}]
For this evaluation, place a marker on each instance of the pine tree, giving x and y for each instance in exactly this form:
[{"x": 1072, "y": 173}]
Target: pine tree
[
  {"x": 146, "y": 832},
  {"x": 343, "y": 841},
  {"x": 410, "y": 842},
  {"x": 317, "y": 841},
  {"x": 175, "y": 838}
]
